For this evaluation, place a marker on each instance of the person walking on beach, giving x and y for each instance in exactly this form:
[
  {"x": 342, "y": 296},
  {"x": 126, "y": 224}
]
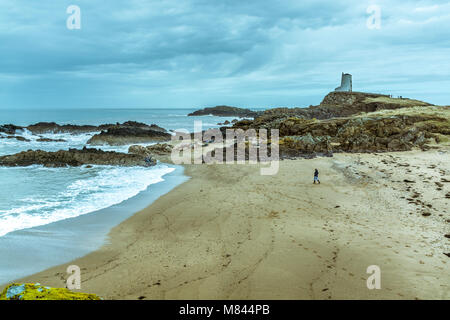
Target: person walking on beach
[{"x": 316, "y": 176}]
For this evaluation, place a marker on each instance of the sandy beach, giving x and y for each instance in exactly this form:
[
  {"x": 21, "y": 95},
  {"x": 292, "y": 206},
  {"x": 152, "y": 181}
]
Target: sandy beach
[{"x": 231, "y": 233}]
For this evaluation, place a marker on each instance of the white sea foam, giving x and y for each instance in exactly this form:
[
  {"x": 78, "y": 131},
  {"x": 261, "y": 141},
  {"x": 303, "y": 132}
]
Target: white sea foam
[{"x": 105, "y": 187}]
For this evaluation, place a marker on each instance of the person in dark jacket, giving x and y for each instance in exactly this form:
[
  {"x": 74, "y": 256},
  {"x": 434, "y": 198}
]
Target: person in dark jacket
[{"x": 316, "y": 176}]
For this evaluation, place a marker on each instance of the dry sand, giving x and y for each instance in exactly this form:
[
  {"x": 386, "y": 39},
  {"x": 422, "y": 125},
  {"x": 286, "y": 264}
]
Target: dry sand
[{"x": 230, "y": 233}]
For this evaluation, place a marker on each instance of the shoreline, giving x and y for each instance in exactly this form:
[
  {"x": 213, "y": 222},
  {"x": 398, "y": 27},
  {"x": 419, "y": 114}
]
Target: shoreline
[
  {"x": 286, "y": 239},
  {"x": 42, "y": 247}
]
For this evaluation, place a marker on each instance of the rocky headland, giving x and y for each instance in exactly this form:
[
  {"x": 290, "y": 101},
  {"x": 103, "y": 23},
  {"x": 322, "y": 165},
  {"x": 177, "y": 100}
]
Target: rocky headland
[
  {"x": 340, "y": 104},
  {"x": 355, "y": 122}
]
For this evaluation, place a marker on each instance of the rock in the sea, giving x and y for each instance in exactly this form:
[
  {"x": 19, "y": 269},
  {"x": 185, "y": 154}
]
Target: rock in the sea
[
  {"x": 72, "y": 157},
  {"x": 50, "y": 140},
  {"x": 31, "y": 291},
  {"x": 52, "y": 127},
  {"x": 225, "y": 111},
  {"x": 123, "y": 135},
  {"x": 10, "y": 128},
  {"x": 18, "y": 138}
]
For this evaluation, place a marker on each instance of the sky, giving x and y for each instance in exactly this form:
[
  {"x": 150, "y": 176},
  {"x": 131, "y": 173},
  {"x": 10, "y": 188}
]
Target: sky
[{"x": 200, "y": 53}]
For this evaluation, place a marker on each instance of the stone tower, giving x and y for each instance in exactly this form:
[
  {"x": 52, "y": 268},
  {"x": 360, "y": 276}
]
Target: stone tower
[{"x": 346, "y": 83}]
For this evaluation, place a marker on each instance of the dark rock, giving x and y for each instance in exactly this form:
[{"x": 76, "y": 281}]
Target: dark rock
[
  {"x": 358, "y": 133},
  {"x": 52, "y": 127},
  {"x": 226, "y": 111},
  {"x": 50, "y": 140},
  {"x": 18, "y": 138},
  {"x": 10, "y": 128},
  {"x": 156, "y": 149},
  {"x": 123, "y": 135},
  {"x": 72, "y": 157}
]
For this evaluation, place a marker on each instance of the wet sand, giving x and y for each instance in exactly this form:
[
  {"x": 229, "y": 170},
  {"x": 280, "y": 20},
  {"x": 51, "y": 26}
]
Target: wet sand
[{"x": 231, "y": 233}]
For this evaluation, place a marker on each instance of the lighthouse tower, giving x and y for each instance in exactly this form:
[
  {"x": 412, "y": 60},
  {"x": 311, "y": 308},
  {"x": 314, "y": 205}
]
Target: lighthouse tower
[{"x": 346, "y": 83}]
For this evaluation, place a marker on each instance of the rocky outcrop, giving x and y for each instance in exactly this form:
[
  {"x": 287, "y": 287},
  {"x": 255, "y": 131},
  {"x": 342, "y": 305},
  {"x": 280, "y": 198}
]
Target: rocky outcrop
[
  {"x": 35, "y": 291},
  {"x": 52, "y": 127},
  {"x": 376, "y": 133},
  {"x": 18, "y": 138},
  {"x": 355, "y": 122},
  {"x": 23, "y": 139},
  {"x": 10, "y": 128},
  {"x": 72, "y": 157},
  {"x": 50, "y": 140},
  {"x": 123, "y": 135},
  {"x": 386, "y": 128},
  {"x": 226, "y": 111},
  {"x": 160, "y": 149},
  {"x": 140, "y": 125},
  {"x": 111, "y": 134}
]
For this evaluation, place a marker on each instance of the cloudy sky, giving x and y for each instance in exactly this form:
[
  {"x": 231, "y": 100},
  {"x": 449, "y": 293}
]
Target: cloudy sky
[{"x": 195, "y": 53}]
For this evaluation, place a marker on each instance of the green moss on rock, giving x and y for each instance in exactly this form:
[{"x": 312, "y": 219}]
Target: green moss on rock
[{"x": 31, "y": 291}]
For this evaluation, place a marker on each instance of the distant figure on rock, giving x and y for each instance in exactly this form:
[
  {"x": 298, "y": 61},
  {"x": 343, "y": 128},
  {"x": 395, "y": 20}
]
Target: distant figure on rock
[
  {"x": 149, "y": 161},
  {"x": 316, "y": 176}
]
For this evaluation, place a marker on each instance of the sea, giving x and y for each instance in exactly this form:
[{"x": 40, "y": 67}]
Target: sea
[{"x": 49, "y": 216}]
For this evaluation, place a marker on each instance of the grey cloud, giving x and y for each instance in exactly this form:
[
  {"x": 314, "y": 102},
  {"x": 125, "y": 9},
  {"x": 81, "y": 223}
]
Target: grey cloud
[{"x": 254, "y": 53}]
